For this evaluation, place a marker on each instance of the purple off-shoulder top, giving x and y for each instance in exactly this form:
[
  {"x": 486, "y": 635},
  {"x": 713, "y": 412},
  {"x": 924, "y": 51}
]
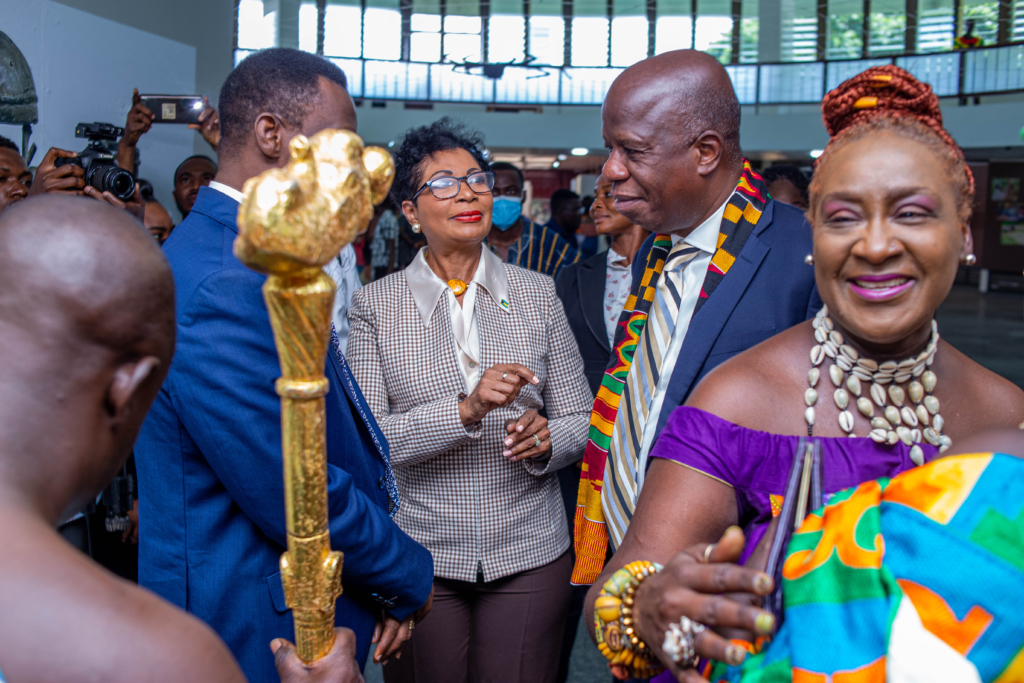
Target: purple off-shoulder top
[{"x": 757, "y": 464}]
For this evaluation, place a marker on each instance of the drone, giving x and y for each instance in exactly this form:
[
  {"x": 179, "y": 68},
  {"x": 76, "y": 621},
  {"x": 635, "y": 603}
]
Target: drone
[{"x": 496, "y": 71}]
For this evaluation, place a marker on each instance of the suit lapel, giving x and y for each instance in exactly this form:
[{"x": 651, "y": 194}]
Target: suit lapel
[
  {"x": 592, "y": 280},
  {"x": 707, "y": 323},
  {"x": 348, "y": 384}
]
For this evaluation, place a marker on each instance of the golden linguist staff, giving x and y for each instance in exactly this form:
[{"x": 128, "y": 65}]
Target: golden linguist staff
[{"x": 293, "y": 221}]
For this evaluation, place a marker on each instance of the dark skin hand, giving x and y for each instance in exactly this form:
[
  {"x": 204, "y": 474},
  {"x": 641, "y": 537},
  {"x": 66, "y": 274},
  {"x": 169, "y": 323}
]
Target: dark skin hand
[
  {"x": 136, "y": 207},
  {"x": 209, "y": 124},
  {"x": 885, "y": 206},
  {"x": 139, "y": 121},
  {"x": 390, "y": 635},
  {"x": 68, "y": 179},
  {"x": 337, "y": 666},
  {"x": 15, "y": 178}
]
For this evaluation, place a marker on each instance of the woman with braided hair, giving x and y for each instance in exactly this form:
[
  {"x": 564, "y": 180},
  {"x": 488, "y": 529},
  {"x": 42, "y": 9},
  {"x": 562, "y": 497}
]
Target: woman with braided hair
[{"x": 851, "y": 399}]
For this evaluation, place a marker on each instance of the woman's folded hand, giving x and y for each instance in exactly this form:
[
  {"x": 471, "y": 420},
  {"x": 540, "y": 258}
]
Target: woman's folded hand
[
  {"x": 528, "y": 437},
  {"x": 499, "y": 385},
  {"x": 694, "y": 584}
]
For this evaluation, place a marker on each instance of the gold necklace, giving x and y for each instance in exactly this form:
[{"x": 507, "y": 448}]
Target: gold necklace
[{"x": 458, "y": 286}]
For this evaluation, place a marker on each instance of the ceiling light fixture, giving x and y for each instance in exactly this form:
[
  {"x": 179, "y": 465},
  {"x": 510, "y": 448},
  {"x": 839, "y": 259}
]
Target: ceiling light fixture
[
  {"x": 579, "y": 151},
  {"x": 815, "y": 153},
  {"x": 562, "y": 157},
  {"x": 556, "y": 164}
]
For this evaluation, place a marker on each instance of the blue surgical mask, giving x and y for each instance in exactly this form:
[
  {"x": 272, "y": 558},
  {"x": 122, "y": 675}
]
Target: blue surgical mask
[{"x": 506, "y": 211}]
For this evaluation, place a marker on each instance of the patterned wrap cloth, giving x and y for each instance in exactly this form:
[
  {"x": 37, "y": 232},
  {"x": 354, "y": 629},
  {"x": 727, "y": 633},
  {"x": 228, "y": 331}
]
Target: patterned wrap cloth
[
  {"x": 911, "y": 579},
  {"x": 741, "y": 216}
]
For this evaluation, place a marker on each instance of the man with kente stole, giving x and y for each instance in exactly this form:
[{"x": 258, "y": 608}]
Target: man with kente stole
[{"x": 722, "y": 271}]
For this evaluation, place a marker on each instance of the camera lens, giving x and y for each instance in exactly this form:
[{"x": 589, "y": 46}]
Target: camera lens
[{"x": 112, "y": 179}]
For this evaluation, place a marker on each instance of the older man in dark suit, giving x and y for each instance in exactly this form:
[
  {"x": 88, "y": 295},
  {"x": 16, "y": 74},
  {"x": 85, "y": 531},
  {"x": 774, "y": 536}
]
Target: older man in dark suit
[
  {"x": 723, "y": 270},
  {"x": 211, "y": 505}
]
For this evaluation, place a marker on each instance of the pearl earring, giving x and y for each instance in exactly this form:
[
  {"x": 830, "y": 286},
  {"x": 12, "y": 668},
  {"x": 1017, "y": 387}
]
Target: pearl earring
[
  {"x": 415, "y": 227},
  {"x": 969, "y": 260},
  {"x": 809, "y": 259}
]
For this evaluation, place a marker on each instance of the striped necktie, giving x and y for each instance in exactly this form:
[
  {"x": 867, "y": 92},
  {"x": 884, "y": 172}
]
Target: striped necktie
[{"x": 623, "y": 475}]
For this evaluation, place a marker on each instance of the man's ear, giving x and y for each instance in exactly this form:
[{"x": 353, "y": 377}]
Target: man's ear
[
  {"x": 709, "y": 146},
  {"x": 127, "y": 380},
  {"x": 271, "y": 136}
]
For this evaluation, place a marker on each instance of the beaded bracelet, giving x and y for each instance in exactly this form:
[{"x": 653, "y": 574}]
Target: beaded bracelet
[{"x": 627, "y": 655}]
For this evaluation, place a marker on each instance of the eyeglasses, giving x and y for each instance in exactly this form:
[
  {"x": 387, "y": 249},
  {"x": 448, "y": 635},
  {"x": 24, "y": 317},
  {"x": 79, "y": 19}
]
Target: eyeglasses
[{"x": 448, "y": 186}]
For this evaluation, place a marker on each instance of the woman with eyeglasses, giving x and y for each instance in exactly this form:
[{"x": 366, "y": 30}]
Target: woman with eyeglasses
[{"x": 458, "y": 355}]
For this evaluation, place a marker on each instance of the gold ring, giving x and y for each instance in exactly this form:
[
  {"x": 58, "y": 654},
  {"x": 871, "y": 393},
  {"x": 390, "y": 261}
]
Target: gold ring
[
  {"x": 707, "y": 553},
  {"x": 536, "y": 441},
  {"x": 412, "y": 623}
]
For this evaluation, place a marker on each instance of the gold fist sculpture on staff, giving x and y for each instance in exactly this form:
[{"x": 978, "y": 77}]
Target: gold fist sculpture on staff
[{"x": 292, "y": 222}]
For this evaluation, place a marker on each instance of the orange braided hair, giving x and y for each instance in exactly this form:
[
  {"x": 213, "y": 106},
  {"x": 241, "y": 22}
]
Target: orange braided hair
[{"x": 888, "y": 98}]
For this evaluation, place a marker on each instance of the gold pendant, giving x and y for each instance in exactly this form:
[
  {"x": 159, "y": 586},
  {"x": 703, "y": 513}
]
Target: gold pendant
[{"x": 458, "y": 287}]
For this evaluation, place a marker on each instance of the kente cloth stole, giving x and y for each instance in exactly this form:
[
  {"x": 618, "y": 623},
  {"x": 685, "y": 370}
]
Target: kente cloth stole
[{"x": 741, "y": 216}]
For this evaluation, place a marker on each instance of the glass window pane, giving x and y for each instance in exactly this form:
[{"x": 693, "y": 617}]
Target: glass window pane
[
  {"x": 255, "y": 31},
  {"x": 341, "y": 30},
  {"x": 845, "y": 27},
  {"x": 1017, "y": 30},
  {"x": 506, "y": 38},
  {"x": 456, "y": 24},
  {"x": 714, "y": 28},
  {"x": 382, "y": 38},
  {"x": 629, "y": 40},
  {"x": 749, "y": 32},
  {"x": 799, "y": 31},
  {"x": 431, "y": 23},
  {"x": 307, "y": 27},
  {"x": 672, "y": 33},
  {"x": 590, "y": 41},
  {"x": 935, "y": 25},
  {"x": 425, "y": 47},
  {"x": 985, "y": 14},
  {"x": 887, "y": 27},
  {"x": 547, "y": 40},
  {"x": 461, "y": 47}
]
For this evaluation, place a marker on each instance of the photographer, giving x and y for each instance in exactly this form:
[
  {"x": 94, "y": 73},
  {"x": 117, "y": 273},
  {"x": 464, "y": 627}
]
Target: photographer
[{"x": 15, "y": 178}]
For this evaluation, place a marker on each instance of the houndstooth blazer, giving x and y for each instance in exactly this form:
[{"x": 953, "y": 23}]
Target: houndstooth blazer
[{"x": 470, "y": 507}]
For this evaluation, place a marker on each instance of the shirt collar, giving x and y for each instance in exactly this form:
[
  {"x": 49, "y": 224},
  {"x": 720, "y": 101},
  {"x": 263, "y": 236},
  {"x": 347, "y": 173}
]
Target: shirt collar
[
  {"x": 705, "y": 235},
  {"x": 615, "y": 259},
  {"x": 229, "y": 191},
  {"x": 427, "y": 288}
]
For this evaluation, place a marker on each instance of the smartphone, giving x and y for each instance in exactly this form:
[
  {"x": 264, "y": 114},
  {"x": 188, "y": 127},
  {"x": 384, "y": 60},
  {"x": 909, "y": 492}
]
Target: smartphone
[{"x": 174, "y": 108}]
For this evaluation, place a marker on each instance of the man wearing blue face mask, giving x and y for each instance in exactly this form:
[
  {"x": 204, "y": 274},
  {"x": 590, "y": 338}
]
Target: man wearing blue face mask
[{"x": 517, "y": 239}]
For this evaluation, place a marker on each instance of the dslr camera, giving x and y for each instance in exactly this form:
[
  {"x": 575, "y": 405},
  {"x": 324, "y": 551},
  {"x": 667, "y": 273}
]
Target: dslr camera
[{"x": 99, "y": 160}]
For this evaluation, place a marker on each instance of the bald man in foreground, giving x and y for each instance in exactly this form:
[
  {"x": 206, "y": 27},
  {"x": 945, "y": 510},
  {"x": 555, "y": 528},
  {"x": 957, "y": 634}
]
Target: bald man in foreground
[
  {"x": 734, "y": 271},
  {"x": 86, "y": 336}
]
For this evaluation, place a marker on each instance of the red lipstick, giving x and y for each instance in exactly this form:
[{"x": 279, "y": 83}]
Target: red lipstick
[{"x": 469, "y": 217}]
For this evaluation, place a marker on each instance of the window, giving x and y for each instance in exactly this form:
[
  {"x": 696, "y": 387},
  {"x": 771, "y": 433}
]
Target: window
[
  {"x": 845, "y": 37},
  {"x": 382, "y": 30},
  {"x": 799, "y": 39},
  {"x": 462, "y": 39},
  {"x": 713, "y": 33},
  {"x": 255, "y": 30},
  {"x": 749, "y": 31},
  {"x": 506, "y": 32},
  {"x": 629, "y": 32},
  {"x": 673, "y": 28},
  {"x": 1017, "y": 22},
  {"x": 589, "y": 33},
  {"x": 343, "y": 28},
  {"x": 985, "y": 15},
  {"x": 887, "y": 27},
  {"x": 547, "y": 32},
  {"x": 307, "y": 27},
  {"x": 425, "y": 38},
  {"x": 935, "y": 22}
]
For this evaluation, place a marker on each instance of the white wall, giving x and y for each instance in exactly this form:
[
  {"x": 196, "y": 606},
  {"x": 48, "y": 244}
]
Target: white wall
[{"x": 85, "y": 68}]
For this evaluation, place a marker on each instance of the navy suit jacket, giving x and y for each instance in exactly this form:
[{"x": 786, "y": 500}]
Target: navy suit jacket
[
  {"x": 767, "y": 290},
  {"x": 211, "y": 493},
  {"x": 580, "y": 286}
]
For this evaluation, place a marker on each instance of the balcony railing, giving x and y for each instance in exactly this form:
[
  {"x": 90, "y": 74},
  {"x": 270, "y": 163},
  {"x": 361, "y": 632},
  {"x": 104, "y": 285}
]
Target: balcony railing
[{"x": 971, "y": 73}]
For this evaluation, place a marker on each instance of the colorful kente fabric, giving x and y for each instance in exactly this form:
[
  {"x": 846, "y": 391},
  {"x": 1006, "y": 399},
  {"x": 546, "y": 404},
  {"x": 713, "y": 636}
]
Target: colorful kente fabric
[
  {"x": 914, "y": 579},
  {"x": 739, "y": 220}
]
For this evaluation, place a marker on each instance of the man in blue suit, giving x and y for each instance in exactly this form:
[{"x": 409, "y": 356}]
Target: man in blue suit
[
  {"x": 734, "y": 271},
  {"x": 211, "y": 509}
]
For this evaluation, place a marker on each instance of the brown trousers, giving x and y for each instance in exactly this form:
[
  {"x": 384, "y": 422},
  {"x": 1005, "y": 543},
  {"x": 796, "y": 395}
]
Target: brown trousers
[{"x": 500, "y": 631}]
